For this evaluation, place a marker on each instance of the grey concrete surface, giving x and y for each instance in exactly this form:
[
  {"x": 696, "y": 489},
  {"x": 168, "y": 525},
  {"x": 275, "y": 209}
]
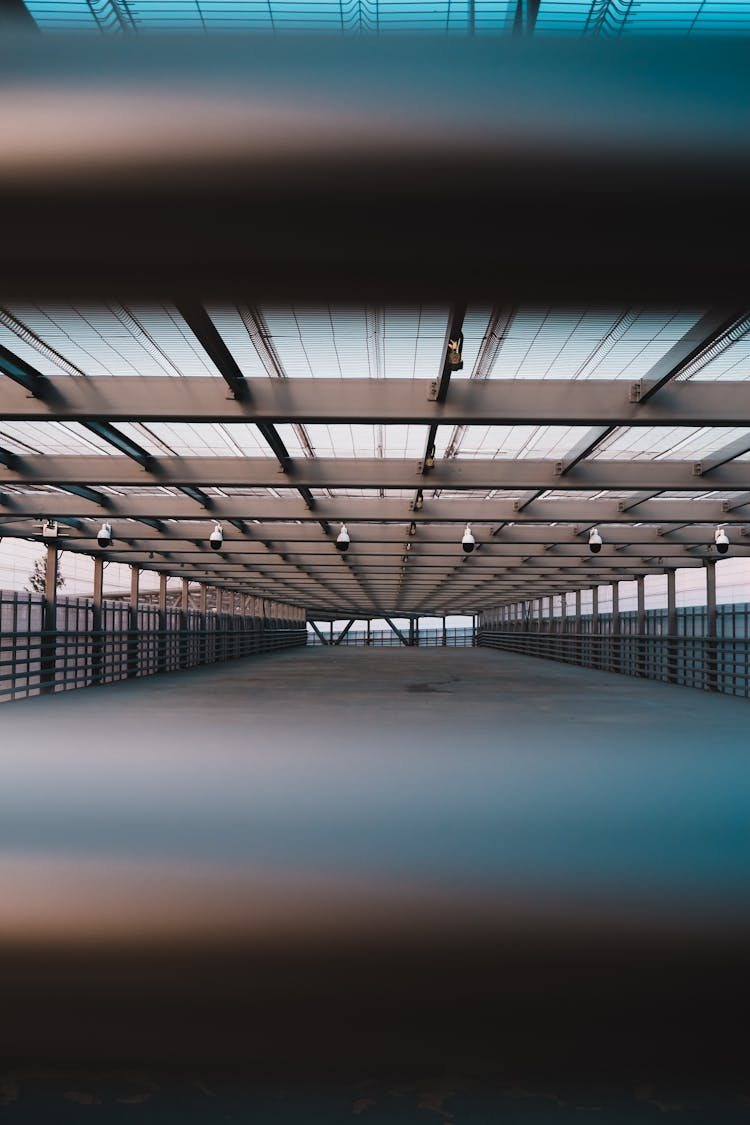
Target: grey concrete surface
[{"x": 461, "y": 767}]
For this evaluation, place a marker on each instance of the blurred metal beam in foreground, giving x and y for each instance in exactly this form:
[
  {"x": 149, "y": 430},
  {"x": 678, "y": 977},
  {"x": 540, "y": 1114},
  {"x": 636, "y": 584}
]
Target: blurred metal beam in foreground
[{"x": 542, "y": 170}]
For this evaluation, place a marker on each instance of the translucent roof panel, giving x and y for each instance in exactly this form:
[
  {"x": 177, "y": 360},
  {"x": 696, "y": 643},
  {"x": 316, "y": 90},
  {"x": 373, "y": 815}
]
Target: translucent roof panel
[
  {"x": 360, "y": 440},
  {"x": 352, "y": 16},
  {"x": 103, "y": 340},
  {"x": 677, "y": 443},
  {"x": 588, "y": 343},
  {"x": 730, "y": 362},
  {"x": 362, "y": 17},
  {"x": 51, "y": 437},
  {"x": 358, "y": 343},
  {"x": 206, "y": 439},
  {"x": 512, "y": 442},
  {"x": 643, "y": 17}
]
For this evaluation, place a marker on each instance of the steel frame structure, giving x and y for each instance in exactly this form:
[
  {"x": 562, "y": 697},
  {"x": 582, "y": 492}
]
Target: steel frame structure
[{"x": 281, "y": 511}]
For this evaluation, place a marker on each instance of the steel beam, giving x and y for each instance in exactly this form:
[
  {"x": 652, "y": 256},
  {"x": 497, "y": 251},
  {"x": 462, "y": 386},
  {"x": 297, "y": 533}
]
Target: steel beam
[
  {"x": 316, "y": 630},
  {"x": 344, "y": 631},
  {"x": 398, "y": 632},
  {"x": 275, "y": 538},
  {"x": 589, "y": 402},
  {"x": 351, "y": 510},
  {"x": 368, "y": 473},
  {"x": 710, "y": 330}
]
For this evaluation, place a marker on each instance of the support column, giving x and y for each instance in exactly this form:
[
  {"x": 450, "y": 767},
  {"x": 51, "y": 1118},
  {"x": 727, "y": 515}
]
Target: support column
[
  {"x": 369, "y": 631},
  {"x": 133, "y": 622},
  {"x": 671, "y": 627},
  {"x": 184, "y": 606},
  {"x": 595, "y": 609},
  {"x": 712, "y": 673},
  {"x": 162, "y": 647},
  {"x": 615, "y": 609},
  {"x": 641, "y": 617},
  {"x": 445, "y": 634},
  {"x": 48, "y": 663},
  {"x": 97, "y": 648},
  {"x": 578, "y": 612}
]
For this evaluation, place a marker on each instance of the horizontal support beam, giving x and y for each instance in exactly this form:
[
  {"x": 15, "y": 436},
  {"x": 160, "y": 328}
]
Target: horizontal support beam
[
  {"x": 550, "y": 542},
  {"x": 598, "y": 213},
  {"x": 562, "y": 402},
  {"x": 279, "y": 536},
  {"x": 351, "y": 510},
  {"x": 369, "y": 473}
]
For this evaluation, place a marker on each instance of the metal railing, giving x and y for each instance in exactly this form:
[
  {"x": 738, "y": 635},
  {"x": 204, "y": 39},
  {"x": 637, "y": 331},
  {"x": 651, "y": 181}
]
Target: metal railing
[
  {"x": 386, "y": 638},
  {"x": 35, "y": 660},
  {"x": 717, "y": 663}
]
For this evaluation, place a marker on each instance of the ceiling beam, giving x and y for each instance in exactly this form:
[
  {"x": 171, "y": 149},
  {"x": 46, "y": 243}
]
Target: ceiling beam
[
  {"x": 368, "y": 473},
  {"x": 392, "y": 401},
  {"x": 277, "y": 537},
  {"x": 351, "y": 510}
]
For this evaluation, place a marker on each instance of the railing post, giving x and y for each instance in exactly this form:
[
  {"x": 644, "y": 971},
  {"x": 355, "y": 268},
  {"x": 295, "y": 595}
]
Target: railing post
[
  {"x": 48, "y": 664},
  {"x": 184, "y": 638},
  {"x": 162, "y": 621},
  {"x": 672, "y": 676},
  {"x": 203, "y": 606},
  {"x": 97, "y": 648},
  {"x": 711, "y": 640},
  {"x": 616, "y": 657},
  {"x": 132, "y": 669}
]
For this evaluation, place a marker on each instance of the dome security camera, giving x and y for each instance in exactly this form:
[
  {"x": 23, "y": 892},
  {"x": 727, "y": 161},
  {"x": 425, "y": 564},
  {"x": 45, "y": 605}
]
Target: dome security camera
[
  {"x": 216, "y": 537},
  {"x": 468, "y": 542},
  {"x": 342, "y": 539},
  {"x": 595, "y": 541},
  {"x": 104, "y": 536},
  {"x": 721, "y": 539}
]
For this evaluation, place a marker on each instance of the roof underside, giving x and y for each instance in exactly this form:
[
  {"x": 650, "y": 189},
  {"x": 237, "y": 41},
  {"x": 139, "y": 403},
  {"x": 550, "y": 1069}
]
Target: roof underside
[{"x": 284, "y": 423}]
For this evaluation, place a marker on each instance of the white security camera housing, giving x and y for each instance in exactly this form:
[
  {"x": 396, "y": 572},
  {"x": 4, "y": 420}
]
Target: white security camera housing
[
  {"x": 216, "y": 537},
  {"x": 722, "y": 540},
  {"x": 104, "y": 536},
  {"x": 342, "y": 539},
  {"x": 468, "y": 542},
  {"x": 595, "y": 541}
]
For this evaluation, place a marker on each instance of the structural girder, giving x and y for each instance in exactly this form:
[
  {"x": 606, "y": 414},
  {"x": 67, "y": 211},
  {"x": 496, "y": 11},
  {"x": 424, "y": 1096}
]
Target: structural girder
[{"x": 586, "y": 402}]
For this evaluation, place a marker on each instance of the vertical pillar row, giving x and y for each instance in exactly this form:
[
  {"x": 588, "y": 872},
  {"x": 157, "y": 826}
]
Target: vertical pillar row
[
  {"x": 97, "y": 622},
  {"x": 133, "y": 668},
  {"x": 49, "y": 622}
]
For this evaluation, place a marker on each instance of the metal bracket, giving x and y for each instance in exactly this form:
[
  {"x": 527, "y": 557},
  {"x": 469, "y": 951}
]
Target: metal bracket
[
  {"x": 558, "y": 470},
  {"x": 433, "y": 391},
  {"x": 634, "y": 394},
  {"x": 697, "y": 468}
]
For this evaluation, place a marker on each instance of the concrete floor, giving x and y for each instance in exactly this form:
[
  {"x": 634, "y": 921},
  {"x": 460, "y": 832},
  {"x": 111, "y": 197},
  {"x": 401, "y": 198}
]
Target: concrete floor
[{"x": 457, "y": 768}]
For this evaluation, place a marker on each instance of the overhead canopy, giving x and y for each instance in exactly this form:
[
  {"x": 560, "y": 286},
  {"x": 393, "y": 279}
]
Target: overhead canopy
[
  {"x": 283, "y": 423},
  {"x": 237, "y": 277}
]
